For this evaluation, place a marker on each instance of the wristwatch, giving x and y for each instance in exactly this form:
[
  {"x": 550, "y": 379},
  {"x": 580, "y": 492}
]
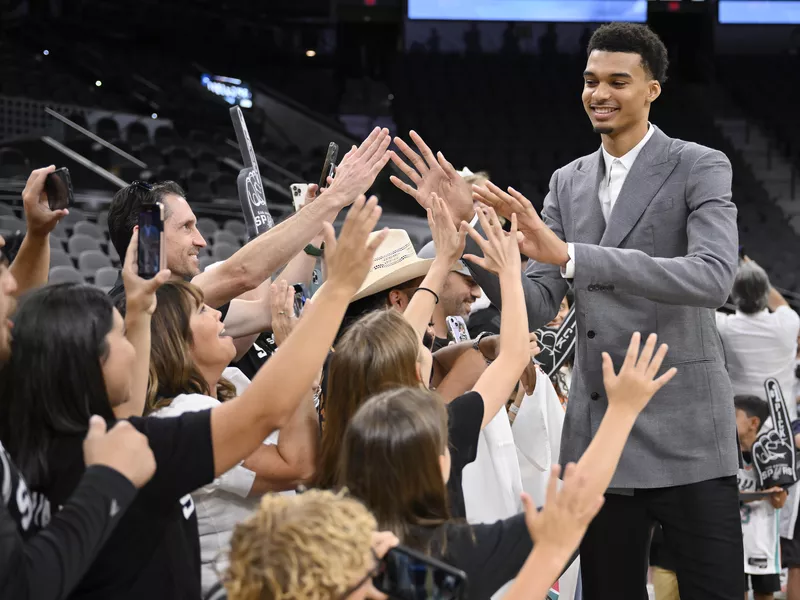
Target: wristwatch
[
  {"x": 476, "y": 345},
  {"x": 312, "y": 250}
]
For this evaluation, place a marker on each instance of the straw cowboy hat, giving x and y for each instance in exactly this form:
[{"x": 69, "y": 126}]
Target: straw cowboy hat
[{"x": 395, "y": 262}]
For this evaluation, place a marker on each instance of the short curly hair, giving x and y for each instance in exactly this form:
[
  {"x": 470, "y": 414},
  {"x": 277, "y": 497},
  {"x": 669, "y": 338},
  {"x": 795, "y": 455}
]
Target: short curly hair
[
  {"x": 313, "y": 546},
  {"x": 635, "y": 39}
]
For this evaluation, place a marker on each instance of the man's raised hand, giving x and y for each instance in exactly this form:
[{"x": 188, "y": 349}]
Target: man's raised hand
[
  {"x": 500, "y": 251},
  {"x": 539, "y": 242},
  {"x": 40, "y": 220},
  {"x": 359, "y": 168},
  {"x": 448, "y": 239},
  {"x": 140, "y": 294},
  {"x": 432, "y": 174}
]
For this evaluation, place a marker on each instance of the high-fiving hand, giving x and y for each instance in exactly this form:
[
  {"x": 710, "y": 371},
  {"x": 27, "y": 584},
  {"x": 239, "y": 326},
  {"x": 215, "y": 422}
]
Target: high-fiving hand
[
  {"x": 359, "y": 168},
  {"x": 636, "y": 382},
  {"x": 539, "y": 241},
  {"x": 500, "y": 249},
  {"x": 431, "y": 174},
  {"x": 448, "y": 240}
]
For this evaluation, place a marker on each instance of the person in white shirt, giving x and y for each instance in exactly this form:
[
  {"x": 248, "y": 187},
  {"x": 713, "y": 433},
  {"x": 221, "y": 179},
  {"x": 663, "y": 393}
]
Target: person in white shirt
[
  {"x": 760, "y": 339},
  {"x": 189, "y": 353}
]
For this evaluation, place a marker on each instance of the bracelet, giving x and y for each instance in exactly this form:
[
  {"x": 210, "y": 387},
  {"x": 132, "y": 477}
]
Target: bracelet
[
  {"x": 476, "y": 345},
  {"x": 513, "y": 409},
  {"x": 312, "y": 250},
  {"x": 435, "y": 295}
]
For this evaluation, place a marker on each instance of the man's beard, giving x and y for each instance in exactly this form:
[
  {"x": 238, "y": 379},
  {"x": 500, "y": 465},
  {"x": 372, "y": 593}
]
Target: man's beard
[{"x": 603, "y": 130}]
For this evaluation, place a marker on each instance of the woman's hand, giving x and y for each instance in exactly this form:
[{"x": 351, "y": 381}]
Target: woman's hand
[
  {"x": 140, "y": 294},
  {"x": 500, "y": 249},
  {"x": 282, "y": 306}
]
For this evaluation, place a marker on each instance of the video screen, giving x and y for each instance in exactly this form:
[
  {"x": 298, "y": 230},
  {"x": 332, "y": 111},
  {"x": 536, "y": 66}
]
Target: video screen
[
  {"x": 763, "y": 12},
  {"x": 229, "y": 88},
  {"x": 578, "y": 11}
]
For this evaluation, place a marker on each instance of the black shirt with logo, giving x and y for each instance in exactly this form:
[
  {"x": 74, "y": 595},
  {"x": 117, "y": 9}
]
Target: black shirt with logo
[{"x": 154, "y": 552}]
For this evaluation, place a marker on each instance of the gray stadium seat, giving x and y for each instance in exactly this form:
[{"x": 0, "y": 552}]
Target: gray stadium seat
[
  {"x": 76, "y": 215},
  {"x": 225, "y": 237},
  {"x": 92, "y": 260},
  {"x": 59, "y": 258},
  {"x": 223, "y": 251},
  {"x": 90, "y": 229},
  {"x": 204, "y": 261},
  {"x": 56, "y": 243},
  {"x": 80, "y": 243},
  {"x": 237, "y": 228},
  {"x": 105, "y": 278},
  {"x": 11, "y": 224},
  {"x": 6, "y": 210},
  {"x": 60, "y": 232},
  {"x": 207, "y": 227},
  {"x": 102, "y": 220},
  {"x": 64, "y": 275}
]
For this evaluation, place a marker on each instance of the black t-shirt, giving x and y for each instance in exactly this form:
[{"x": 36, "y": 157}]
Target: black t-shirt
[
  {"x": 29, "y": 509},
  {"x": 257, "y": 355},
  {"x": 485, "y": 319},
  {"x": 490, "y": 555},
  {"x": 154, "y": 552},
  {"x": 465, "y": 415}
]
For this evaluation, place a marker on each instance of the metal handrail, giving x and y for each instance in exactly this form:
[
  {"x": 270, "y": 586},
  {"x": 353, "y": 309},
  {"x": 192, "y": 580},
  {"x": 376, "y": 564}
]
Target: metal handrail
[{"x": 79, "y": 158}]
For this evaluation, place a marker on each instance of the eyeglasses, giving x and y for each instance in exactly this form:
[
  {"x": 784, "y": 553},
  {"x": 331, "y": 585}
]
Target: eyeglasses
[{"x": 372, "y": 574}]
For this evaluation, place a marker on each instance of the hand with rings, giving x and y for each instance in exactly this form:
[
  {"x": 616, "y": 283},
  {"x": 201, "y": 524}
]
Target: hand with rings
[{"x": 283, "y": 317}]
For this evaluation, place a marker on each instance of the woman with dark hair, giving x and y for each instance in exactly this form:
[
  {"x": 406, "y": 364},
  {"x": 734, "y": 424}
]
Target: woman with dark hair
[
  {"x": 154, "y": 550},
  {"x": 189, "y": 354},
  {"x": 396, "y": 459}
]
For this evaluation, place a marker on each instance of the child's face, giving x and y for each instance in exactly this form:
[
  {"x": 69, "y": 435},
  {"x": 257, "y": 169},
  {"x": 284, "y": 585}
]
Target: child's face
[{"x": 747, "y": 427}]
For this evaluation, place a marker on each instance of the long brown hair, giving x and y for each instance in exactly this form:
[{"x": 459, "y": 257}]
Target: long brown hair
[
  {"x": 172, "y": 369},
  {"x": 377, "y": 353},
  {"x": 390, "y": 460}
]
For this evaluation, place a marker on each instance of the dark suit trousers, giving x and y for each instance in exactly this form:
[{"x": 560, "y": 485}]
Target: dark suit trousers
[{"x": 702, "y": 529}]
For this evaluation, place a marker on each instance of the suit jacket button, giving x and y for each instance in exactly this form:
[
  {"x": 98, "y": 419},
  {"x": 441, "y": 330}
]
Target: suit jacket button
[
  {"x": 590, "y": 334},
  {"x": 592, "y": 287},
  {"x": 594, "y": 396}
]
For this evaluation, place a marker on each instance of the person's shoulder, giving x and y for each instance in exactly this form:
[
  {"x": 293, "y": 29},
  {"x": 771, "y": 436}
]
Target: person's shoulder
[
  {"x": 471, "y": 399},
  {"x": 584, "y": 164},
  {"x": 689, "y": 153}
]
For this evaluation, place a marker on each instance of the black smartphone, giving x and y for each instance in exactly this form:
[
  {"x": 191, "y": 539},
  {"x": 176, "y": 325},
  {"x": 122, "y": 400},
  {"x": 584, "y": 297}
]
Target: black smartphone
[
  {"x": 330, "y": 164},
  {"x": 58, "y": 187},
  {"x": 151, "y": 258},
  {"x": 300, "y": 297},
  {"x": 406, "y": 574}
]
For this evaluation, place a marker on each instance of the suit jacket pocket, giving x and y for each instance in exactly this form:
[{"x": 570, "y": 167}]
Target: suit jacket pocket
[{"x": 660, "y": 205}]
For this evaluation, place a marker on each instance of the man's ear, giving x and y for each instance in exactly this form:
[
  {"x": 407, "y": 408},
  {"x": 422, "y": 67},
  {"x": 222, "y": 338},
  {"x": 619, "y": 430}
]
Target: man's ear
[{"x": 653, "y": 90}]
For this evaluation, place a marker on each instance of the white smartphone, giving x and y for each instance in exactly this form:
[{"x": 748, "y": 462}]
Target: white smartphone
[
  {"x": 458, "y": 329},
  {"x": 299, "y": 193}
]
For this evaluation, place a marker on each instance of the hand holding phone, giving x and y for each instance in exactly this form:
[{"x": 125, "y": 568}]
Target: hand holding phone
[
  {"x": 58, "y": 187},
  {"x": 45, "y": 199},
  {"x": 151, "y": 255},
  {"x": 329, "y": 167}
]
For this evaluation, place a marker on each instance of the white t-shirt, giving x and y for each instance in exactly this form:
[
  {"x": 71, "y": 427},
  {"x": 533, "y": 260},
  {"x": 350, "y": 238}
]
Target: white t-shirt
[
  {"x": 761, "y": 346},
  {"x": 762, "y": 548}
]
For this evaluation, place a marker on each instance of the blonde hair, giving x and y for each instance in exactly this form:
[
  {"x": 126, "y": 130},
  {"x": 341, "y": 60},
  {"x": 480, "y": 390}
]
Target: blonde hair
[
  {"x": 313, "y": 546},
  {"x": 479, "y": 178}
]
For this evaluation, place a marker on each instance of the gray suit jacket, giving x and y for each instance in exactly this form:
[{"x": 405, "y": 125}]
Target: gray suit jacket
[{"x": 665, "y": 261}]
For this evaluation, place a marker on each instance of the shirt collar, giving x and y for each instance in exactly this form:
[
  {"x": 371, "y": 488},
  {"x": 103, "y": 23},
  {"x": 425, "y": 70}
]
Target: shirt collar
[{"x": 629, "y": 158}]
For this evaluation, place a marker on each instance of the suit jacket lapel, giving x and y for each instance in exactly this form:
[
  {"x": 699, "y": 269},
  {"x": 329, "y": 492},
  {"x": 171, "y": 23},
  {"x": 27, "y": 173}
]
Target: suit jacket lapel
[
  {"x": 589, "y": 221},
  {"x": 647, "y": 175}
]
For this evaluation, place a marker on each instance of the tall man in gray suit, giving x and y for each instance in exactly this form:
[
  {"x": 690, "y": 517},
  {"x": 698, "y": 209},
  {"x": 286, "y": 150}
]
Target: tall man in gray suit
[{"x": 644, "y": 232}]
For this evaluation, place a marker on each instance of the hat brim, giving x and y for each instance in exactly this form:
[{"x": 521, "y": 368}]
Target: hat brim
[{"x": 378, "y": 281}]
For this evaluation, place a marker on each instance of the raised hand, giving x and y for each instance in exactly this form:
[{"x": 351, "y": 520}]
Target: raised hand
[
  {"x": 39, "y": 218},
  {"x": 359, "y": 168},
  {"x": 448, "y": 240},
  {"x": 539, "y": 242},
  {"x": 500, "y": 249},
  {"x": 123, "y": 449},
  {"x": 560, "y": 525},
  {"x": 282, "y": 306},
  {"x": 430, "y": 174},
  {"x": 636, "y": 382},
  {"x": 140, "y": 294},
  {"x": 348, "y": 259}
]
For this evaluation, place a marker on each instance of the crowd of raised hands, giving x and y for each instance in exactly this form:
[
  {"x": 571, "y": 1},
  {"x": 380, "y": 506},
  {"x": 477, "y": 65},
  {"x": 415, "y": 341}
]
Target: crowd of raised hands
[{"x": 148, "y": 398}]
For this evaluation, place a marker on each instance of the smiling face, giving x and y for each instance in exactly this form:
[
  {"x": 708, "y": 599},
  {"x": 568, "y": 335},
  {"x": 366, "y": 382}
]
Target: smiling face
[
  {"x": 211, "y": 348},
  {"x": 183, "y": 240},
  {"x": 617, "y": 91}
]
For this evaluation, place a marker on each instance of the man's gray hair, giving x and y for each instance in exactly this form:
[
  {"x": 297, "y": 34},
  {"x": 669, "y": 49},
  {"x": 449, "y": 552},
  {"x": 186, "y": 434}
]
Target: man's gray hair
[{"x": 750, "y": 288}]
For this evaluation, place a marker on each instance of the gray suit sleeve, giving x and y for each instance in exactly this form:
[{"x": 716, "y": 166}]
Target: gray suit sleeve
[
  {"x": 704, "y": 276},
  {"x": 543, "y": 285}
]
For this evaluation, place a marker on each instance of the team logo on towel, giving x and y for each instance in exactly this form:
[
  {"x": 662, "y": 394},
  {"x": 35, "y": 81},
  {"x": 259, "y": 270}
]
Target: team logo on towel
[{"x": 557, "y": 345}]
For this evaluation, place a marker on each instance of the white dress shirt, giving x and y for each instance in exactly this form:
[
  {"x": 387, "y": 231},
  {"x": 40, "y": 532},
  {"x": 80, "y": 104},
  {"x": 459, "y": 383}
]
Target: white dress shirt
[{"x": 617, "y": 170}]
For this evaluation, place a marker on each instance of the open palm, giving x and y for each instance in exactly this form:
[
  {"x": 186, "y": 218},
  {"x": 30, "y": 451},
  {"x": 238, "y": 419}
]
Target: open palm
[{"x": 432, "y": 174}]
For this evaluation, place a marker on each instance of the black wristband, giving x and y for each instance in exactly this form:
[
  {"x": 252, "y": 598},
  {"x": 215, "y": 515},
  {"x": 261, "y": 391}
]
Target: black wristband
[
  {"x": 312, "y": 250},
  {"x": 435, "y": 295}
]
